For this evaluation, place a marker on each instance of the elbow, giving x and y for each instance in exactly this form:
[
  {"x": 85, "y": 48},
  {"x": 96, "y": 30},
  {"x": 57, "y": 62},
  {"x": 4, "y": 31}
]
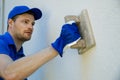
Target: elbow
[{"x": 10, "y": 76}]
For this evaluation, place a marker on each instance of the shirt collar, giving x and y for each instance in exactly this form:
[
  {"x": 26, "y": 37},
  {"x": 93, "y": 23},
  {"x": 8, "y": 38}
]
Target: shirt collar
[{"x": 9, "y": 38}]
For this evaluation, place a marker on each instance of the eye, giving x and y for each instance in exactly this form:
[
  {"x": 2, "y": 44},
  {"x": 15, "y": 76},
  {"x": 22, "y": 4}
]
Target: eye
[
  {"x": 26, "y": 22},
  {"x": 33, "y": 23}
]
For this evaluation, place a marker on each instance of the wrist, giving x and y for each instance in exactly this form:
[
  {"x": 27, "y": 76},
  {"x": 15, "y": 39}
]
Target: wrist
[{"x": 59, "y": 45}]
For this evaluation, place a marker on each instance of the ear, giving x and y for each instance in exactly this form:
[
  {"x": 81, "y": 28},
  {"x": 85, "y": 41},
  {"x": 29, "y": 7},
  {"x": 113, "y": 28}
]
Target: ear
[{"x": 10, "y": 23}]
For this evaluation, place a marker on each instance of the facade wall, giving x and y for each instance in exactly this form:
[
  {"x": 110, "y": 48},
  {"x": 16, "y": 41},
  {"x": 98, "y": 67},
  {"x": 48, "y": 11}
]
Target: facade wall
[
  {"x": 101, "y": 63},
  {"x": 1, "y": 16}
]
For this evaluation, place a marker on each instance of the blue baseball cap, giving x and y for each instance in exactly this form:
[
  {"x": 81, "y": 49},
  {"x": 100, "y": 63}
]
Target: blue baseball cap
[{"x": 17, "y": 10}]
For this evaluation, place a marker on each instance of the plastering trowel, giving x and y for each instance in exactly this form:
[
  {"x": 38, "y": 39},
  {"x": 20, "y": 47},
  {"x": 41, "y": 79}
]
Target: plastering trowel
[{"x": 87, "y": 40}]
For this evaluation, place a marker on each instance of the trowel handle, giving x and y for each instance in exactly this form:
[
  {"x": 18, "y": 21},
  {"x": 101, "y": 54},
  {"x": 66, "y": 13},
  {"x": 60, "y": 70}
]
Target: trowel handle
[
  {"x": 80, "y": 44},
  {"x": 72, "y": 18}
]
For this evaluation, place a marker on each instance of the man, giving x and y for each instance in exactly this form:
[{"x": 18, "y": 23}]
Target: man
[{"x": 14, "y": 65}]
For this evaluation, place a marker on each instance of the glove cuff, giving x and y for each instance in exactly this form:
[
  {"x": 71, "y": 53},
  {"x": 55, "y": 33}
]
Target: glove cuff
[{"x": 59, "y": 46}]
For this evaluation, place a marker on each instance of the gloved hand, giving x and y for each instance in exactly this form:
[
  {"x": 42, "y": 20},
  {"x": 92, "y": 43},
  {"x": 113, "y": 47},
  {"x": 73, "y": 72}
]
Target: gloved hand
[{"x": 69, "y": 33}]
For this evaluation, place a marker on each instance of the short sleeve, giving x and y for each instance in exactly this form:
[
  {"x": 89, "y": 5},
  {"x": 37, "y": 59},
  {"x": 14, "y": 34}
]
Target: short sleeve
[{"x": 3, "y": 47}]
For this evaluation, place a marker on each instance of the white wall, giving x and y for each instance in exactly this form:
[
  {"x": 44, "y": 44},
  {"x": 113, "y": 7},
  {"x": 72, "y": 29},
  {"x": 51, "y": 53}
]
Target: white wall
[
  {"x": 101, "y": 63},
  {"x": 1, "y": 16}
]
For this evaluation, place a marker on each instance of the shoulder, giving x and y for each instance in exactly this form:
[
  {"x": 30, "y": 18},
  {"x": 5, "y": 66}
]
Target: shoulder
[
  {"x": 3, "y": 46},
  {"x": 2, "y": 41}
]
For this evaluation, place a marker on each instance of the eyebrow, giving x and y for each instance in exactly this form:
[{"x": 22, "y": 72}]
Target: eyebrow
[{"x": 29, "y": 20}]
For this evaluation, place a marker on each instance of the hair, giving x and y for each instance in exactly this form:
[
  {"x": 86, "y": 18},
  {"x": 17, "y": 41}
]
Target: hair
[{"x": 15, "y": 17}]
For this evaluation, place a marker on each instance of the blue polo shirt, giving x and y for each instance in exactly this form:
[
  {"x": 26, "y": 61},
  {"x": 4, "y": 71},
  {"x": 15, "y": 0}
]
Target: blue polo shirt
[{"x": 7, "y": 47}]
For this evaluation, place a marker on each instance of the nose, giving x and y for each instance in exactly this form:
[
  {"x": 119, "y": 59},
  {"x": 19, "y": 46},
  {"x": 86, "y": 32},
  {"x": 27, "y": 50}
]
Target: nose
[{"x": 30, "y": 26}]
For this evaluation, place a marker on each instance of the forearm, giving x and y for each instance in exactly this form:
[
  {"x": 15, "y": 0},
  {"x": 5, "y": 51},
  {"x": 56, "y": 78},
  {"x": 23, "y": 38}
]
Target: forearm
[{"x": 27, "y": 65}]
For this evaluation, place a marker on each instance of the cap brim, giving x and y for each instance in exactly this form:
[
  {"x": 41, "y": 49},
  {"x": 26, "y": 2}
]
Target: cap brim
[{"x": 37, "y": 13}]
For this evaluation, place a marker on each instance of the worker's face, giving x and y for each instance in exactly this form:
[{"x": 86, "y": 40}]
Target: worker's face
[{"x": 22, "y": 27}]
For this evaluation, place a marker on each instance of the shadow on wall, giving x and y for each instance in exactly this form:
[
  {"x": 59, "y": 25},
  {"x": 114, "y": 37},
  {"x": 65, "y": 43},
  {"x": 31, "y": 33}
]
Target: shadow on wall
[
  {"x": 117, "y": 76},
  {"x": 42, "y": 30}
]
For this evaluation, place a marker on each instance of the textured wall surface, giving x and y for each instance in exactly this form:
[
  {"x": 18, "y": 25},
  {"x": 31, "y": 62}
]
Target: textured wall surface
[
  {"x": 1, "y": 17},
  {"x": 101, "y": 63}
]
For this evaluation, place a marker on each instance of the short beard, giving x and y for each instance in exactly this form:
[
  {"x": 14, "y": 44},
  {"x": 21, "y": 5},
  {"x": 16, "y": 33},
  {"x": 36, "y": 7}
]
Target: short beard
[{"x": 23, "y": 39}]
